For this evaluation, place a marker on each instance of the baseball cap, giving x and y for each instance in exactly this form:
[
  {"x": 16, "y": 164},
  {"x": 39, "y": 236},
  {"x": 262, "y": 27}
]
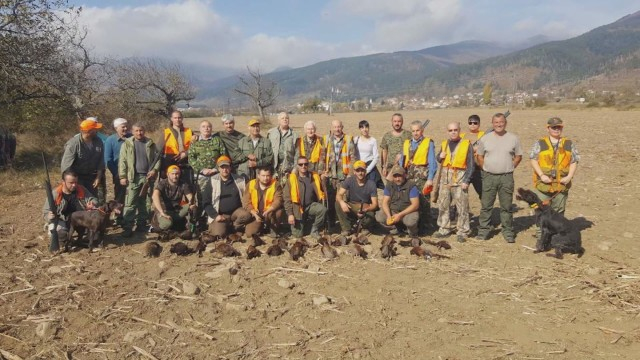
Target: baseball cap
[
  {"x": 397, "y": 170},
  {"x": 554, "y": 121},
  {"x": 223, "y": 160},
  {"x": 254, "y": 121},
  {"x": 172, "y": 169},
  {"x": 90, "y": 124},
  {"x": 359, "y": 165}
]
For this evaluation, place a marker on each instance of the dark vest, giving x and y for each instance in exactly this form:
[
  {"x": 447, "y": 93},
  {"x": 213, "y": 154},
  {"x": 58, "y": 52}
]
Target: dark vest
[{"x": 400, "y": 196}]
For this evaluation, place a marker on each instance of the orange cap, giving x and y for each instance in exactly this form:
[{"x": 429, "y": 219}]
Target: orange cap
[
  {"x": 172, "y": 169},
  {"x": 87, "y": 125},
  {"x": 223, "y": 160}
]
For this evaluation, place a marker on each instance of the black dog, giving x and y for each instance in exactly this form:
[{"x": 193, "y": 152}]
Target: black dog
[
  {"x": 556, "y": 231},
  {"x": 95, "y": 221}
]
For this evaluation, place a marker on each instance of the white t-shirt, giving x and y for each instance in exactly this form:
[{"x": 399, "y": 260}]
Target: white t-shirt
[{"x": 368, "y": 150}]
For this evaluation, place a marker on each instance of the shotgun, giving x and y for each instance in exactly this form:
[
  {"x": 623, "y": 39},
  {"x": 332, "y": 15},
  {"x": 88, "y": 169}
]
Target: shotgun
[
  {"x": 436, "y": 184},
  {"x": 358, "y": 226},
  {"x": 145, "y": 187},
  {"x": 54, "y": 244}
]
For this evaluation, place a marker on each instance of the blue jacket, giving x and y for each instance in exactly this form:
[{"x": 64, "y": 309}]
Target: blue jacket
[{"x": 112, "y": 152}]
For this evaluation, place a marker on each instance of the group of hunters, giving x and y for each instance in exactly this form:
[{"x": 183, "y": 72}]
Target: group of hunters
[{"x": 229, "y": 182}]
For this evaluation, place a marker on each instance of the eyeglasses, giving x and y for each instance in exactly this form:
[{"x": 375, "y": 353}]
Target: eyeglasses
[
  {"x": 474, "y": 123},
  {"x": 303, "y": 164},
  {"x": 452, "y": 130},
  {"x": 557, "y": 128}
]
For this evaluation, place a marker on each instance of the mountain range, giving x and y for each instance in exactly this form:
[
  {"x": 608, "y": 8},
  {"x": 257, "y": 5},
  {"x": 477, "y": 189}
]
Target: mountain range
[{"x": 610, "y": 52}]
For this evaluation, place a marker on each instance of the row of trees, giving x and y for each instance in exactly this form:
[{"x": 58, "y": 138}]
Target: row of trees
[{"x": 49, "y": 79}]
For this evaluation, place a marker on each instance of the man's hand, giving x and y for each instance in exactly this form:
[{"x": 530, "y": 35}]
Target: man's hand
[
  {"x": 252, "y": 157},
  {"x": 124, "y": 182},
  {"x": 385, "y": 172},
  {"x": 545, "y": 179},
  {"x": 151, "y": 174},
  {"x": 220, "y": 218},
  {"x": 208, "y": 172},
  {"x": 565, "y": 180},
  {"x": 345, "y": 207},
  {"x": 256, "y": 215},
  {"x": 291, "y": 220},
  {"x": 464, "y": 186},
  {"x": 96, "y": 183},
  {"x": 90, "y": 206},
  {"x": 253, "y": 163},
  {"x": 164, "y": 215},
  {"x": 50, "y": 216},
  {"x": 266, "y": 213},
  {"x": 324, "y": 175},
  {"x": 442, "y": 155},
  {"x": 193, "y": 207},
  {"x": 181, "y": 156}
]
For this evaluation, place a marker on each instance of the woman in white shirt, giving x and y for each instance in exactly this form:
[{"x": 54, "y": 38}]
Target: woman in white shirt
[{"x": 368, "y": 152}]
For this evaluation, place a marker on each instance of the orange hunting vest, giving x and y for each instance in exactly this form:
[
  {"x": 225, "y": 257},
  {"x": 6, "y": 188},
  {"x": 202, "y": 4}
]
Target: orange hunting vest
[
  {"x": 79, "y": 193},
  {"x": 550, "y": 160},
  {"x": 295, "y": 191},
  {"x": 460, "y": 156},
  {"x": 315, "y": 152},
  {"x": 171, "y": 144},
  {"x": 344, "y": 153},
  {"x": 269, "y": 193},
  {"x": 420, "y": 157}
]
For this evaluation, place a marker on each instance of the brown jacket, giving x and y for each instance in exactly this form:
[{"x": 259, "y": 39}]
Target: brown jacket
[{"x": 277, "y": 203}]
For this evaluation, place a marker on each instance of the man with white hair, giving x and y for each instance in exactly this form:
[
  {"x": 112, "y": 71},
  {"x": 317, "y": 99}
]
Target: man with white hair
[
  {"x": 311, "y": 146},
  {"x": 230, "y": 137},
  {"x": 282, "y": 140},
  {"x": 341, "y": 154},
  {"x": 112, "y": 154}
]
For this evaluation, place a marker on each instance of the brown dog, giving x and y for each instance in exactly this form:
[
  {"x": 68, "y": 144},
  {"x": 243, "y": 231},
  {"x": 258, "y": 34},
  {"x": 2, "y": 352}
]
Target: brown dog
[{"x": 94, "y": 221}]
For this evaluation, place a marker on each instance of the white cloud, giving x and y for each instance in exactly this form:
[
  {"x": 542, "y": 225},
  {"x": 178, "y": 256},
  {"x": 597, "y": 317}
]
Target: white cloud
[{"x": 404, "y": 24}]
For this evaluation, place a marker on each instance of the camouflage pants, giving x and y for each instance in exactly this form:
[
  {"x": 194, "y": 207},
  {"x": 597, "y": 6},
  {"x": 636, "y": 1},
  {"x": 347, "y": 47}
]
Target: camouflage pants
[{"x": 453, "y": 196}]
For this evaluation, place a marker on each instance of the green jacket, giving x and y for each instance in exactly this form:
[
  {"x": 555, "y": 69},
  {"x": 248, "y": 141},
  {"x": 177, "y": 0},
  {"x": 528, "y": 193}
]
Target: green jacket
[
  {"x": 204, "y": 153},
  {"x": 127, "y": 161},
  {"x": 263, "y": 152}
]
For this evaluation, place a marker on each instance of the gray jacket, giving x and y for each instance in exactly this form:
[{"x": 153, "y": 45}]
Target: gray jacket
[
  {"x": 215, "y": 186},
  {"x": 288, "y": 141},
  {"x": 81, "y": 158}
]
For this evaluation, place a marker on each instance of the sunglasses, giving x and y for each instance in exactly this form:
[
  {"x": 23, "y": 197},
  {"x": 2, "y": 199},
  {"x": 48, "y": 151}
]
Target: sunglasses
[
  {"x": 303, "y": 164},
  {"x": 555, "y": 127},
  {"x": 474, "y": 123}
]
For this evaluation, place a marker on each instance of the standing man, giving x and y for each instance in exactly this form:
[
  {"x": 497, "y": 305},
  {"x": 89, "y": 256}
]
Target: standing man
[
  {"x": 175, "y": 146},
  {"x": 419, "y": 161},
  {"x": 203, "y": 155},
  {"x": 391, "y": 144},
  {"x": 341, "y": 155},
  {"x": 135, "y": 169},
  {"x": 230, "y": 138},
  {"x": 362, "y": 199},
  {"x": 474, "y": 136},
  {"x": 222, "y": 200},
  {"x": 456, "y": 156},
  {"x": 283, "y": 140},
  {"x": 171, "y": 202},
  {"x": 263, "y": 199},
  {"x": 253, "y": 151},
  {"x": 112, "y": 155},
  {"x": 400, "y": 204},
  {"x": 499, "y": 153},
  {"x": 312, "y": 147},
  {"x": 69, "y": 196},
  {"x": 84, "y": 155},
  {"x": 554, "y": 159},
  {"x": 302, "y": 200}
]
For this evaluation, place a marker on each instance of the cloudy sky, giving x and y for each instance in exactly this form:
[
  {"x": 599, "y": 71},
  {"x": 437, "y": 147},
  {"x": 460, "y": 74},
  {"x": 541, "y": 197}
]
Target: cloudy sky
[{"x": 273, "y": 33}]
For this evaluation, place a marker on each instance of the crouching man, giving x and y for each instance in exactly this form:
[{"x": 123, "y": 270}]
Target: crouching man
[
  {"x": 302, "y": 196},
  {"x": 400, "y": 204},
  {"x": 263, "y": 199},
  {"x": 171, "y": 199},
  {"x": 69, "y": 196},
  {"x": 361, "y": 202},
  {"x": 222, "y": 200}
]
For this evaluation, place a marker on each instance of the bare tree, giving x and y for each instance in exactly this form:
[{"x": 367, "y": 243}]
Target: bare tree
[
  {"x": 263, "y": 92},
  {"x": 156, "y": 85}
]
